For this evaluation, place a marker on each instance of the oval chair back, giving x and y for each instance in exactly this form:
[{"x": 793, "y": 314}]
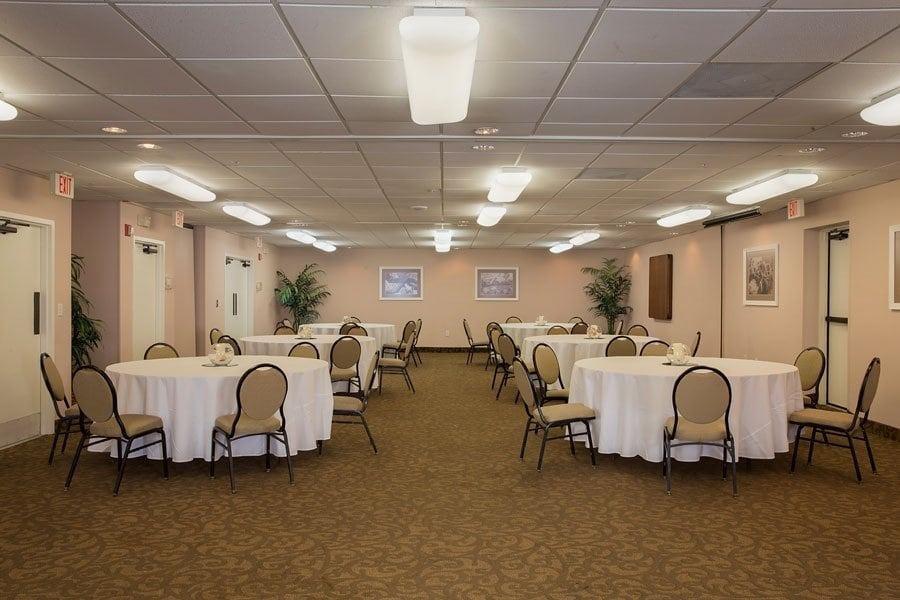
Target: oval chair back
[
  {"x": 408, "y": 343},
  {"x": 638, "y": 330},
  {"x": 346, "y": 327},
  {"x": 811, "y": 365},
  {"x": 260, "y": 394},
  {"x": 418, "y": 331},
  {"x": 214, "y": 334},
  {"x": 96, "y": 395},
  {"x": 558, "y": 330},
  {"x": 160, "y": 350},
  {"x": 369, "y": 381},
  {"x": 494, "y": 335},
  {"x": 227, "y": 339},
  {"x": 696, "y": 347},
  {"x": 284, "y": 330},
  {"x": 546, "y": 364},
  {"x": 355, "y": 320},
  {"x": 304, "y": 350},
  {"x": 580, "y": 327},
  {"x": 507, "y": 348},
  {"x": 867, "y": 391},
  {"x": 621, "y": 346},
  {"x": 576, "y": 320},
  {"x": 655, "y": 348},
  {"x": 468, "y": 331},
  {"x": 357, "y": 330},
  {"x": 513, "y": 319},
  {"x": 526, "y": 390},
  {"x": 701, "y": 395},
  {"x": 345, "y": 353},
  {"x": 54, "y": 383}
]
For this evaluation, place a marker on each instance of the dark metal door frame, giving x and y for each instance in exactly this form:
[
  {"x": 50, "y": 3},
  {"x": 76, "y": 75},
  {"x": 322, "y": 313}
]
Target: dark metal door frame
[{"x": 838, "y": 234}]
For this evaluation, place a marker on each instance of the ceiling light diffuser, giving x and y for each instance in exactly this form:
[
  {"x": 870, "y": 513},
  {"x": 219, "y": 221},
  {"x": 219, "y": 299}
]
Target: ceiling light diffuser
[
  {"x": 442, "y": 239},
  {"x": 245, "y": 213},
  {"x": 148, "y": 146},
  {"x": 300, "y": 236},
  {"x": 113, "y": 129},
  {"x": 784, "y": 182},
  {"x": 438, "y": 47},
  {"x": 168, "y": 181},
  {"x": 885, "y": 110},
  {"x": 561, "y": 247},
  {"x": 324, "y": 246},
  {"x": 490, "y": 215},
  {"x": 585, "y": 237},
  {"x": 508, "y": 184},
  {"x": 685, "y": 215},
  {"x": 8, "y": 112}
]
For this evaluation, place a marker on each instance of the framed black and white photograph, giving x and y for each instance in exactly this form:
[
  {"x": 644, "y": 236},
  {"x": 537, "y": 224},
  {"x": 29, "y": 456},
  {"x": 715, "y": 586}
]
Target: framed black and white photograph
[
  {"x": 894, "y": 268},
  {"x": 761, "y": 276},
  {"x": 400, "y": 283},
  {"x": 496, "y": 283}
]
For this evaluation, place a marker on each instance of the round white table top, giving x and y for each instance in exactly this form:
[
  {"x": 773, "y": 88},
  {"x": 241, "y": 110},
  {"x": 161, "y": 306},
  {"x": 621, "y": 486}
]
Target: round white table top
[
  {"x": 339, "y": 325},
  {"x": 534, "y": 325},
  {"x": 193, "y": 366},
  {"x": 652, "y": 366},
  {"x": 291, "y": 340},
  {"x": 580, "y": 338}
]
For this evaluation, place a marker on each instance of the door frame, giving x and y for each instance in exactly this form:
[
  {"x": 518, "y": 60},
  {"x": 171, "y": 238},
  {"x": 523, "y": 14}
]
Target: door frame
[
  {"x": 160, "y": 285},
  {"x": 251, "y": 289},
  {"x": 839, "y": 233}
]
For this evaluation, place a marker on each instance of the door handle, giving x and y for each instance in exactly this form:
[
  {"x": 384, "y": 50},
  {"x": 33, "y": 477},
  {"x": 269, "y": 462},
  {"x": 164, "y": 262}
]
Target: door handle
[
  {"x": 37, "y": 313},
  {"x": 234, "y": 304}
]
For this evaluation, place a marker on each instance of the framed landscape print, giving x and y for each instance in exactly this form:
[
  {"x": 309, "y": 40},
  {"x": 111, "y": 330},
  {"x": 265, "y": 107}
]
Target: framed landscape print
[
  {"x": 400, "y": 283},
  {"x": 894, "y": 268},
  {"x": 761, "y": 276},
  {"x": 496, "y": 283}
]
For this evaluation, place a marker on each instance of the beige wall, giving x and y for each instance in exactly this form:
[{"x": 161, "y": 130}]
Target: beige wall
[{"x": 548, "y": 284}]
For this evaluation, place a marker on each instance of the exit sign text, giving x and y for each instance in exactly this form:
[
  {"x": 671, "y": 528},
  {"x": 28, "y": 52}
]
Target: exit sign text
[
  {"x": 795, "y": 208},
  {"x": 63, "y": 185}
]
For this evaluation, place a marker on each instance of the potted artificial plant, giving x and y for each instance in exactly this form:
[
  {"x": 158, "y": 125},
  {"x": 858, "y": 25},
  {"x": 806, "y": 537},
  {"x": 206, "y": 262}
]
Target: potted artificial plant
[
  {"x": 608, "y": 291},
  {"x": 302, "y": 295}
]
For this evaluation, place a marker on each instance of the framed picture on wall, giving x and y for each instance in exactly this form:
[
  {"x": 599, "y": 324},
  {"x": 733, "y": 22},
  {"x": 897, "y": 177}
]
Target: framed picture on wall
[
  {"x": 497, "y": 283},
  {"x": 894, "y": 268},
  {"x": 400, "y": 283},
  {"x": 761, "y": 276}
]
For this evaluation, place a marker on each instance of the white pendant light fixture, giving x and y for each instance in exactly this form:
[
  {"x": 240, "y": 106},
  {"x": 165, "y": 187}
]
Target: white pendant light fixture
[
  {"x": 168, "y": 181},
  {"x": 8, "y": 112},
  {"x": 298, "y": 235},
  {"x": 324, "y": 246},
  {"x": 685, "y": 215},
  {"x": 585, "y": 237},
  {"x": 782, "y": 183},
  {"x": 561, "y": 247},
  {"x": 490, "y": 215},
  {"x": 442, "y": 239},
  {"x": 438, "y": 47},
  {"x": 508, "y": 184},
  {"x": 885, "y": 110},
  {"x": 245, "y": 213}
]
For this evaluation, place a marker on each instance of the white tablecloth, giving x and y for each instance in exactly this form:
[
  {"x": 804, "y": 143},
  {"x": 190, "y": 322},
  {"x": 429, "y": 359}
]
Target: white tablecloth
[
  {"x": 384, "y": 333},
  {"x": 519, "y": 331},
  {"x": 188, "y": 397},
  {"x": 280, "y": 345},
  {"x": 572, "y": 348},
  {"x": 633, "y": 399}
]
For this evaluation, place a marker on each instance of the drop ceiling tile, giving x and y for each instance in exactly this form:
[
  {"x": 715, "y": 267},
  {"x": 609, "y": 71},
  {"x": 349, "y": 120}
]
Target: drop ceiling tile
[
  {"x": 835, "y": 132},
  {"x": 689, "y": 175},
  {"x": 479, "y": 159},
  {"x": 625, "y": 80},
  {"x": 808, "y": 35},
  {"x": 326, "y": 159},
  {"x": 10, "y": 49},
  {"x": 411, "y": 173},
  {"x": 325, "y": 31},
  {"x": 28, "y": 75},
  {"x": 689, "y": 4},
  {"x": 505, "y": 110},
  {"x": 331, "y": 172},
  {"x": 206, "y": 127},
  {"x": 130, "y": 76},
  {"x": 261, "y": 77},
  {"x": 556, "y": 160},
  {"x": 468, "y": 128},
  {"x": 176, "y": 108},
  {"x": 76, "y": 107},
  {"x": 401, "y": 159},
  {"x": 354, "y": 77},
  {"x": 764, "y": 131},
  {"x": 790, "y": 111},
  {"x": 712, "y": 162},
  {"x": 252, "y": 159},
  {"x": 566, "y": 129},
  {"x": 746, "y": 80},
  {"x": 672, "y": 148},
  {"x": 32, "y": 127},
  {"x": 599, "y": 110},
  {"x": 885, "y": 50},
  {"x": 299, "y": 127},
  {"x": 374, "y": 108},
  {"x": 281, "y": 108},
  {"x": 389, "y": 147},
  {"x": 704, "y": 110},
  {"x": 656, "y": 35},
  {"x": 668, "y": 130},
  {"x": 530, "y": 35},
  {"x": 852, "y": 81},
  {"x": 215, "y": 31},
  {"x": 617, "y": 161},
  {"x": 133, "y": 127},
  {"x": 515, "y": 79},
  {"x": 390, "y": 128}
]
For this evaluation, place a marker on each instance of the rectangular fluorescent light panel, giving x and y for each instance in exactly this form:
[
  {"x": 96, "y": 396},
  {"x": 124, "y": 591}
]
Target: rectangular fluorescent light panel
[
  {"x": 173, "y": 183},
  {"x": 490, "y": 215},
  {"x": 509, "y": 184},
  {"x": 686, "y": 215},
  {"x": 784, "y": 182},
  {"x": 247, "y": 214}
]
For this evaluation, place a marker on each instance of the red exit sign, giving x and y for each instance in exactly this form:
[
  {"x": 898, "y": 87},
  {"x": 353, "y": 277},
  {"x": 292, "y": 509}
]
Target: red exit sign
[
  {"x": 795, "y": 208},
  {"x": 63, "y": 185}
]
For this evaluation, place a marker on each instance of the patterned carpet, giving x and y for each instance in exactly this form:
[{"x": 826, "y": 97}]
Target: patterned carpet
[{"x": 447, "y": 510}]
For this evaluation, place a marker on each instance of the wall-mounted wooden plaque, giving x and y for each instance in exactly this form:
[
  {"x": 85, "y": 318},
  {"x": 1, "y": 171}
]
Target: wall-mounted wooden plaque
[{"x": 661, "y": 287}]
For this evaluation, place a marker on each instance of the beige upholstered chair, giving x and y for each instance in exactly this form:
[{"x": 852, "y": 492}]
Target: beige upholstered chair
[
  {"x": 399, "y": 365},
  {"x": 701, "y": 401},
  {"x": 304, "y": 350},
  {"x": 811, "y": 365},
  {"x": 344, "y": 358},
  {"x": 67, "y": 414},
  {"x": 99, "y": 403},
  {"x": 355, "y": 320},
  {"x": 346, "y": 327},
  {"x": 696, "y": 347},
  {"x": 214, "y": 334},
  {"x": 639, "y": 330},
  {"x": 842, "y": 423},
  {"x": 580, "y": 328},
  {"x": 260, "y": 402},
  {"x": 557, "y": 330},
  {"x": 506, "y": 347},
  {"x": 417, "y": 358},
  {"x": 284, "y": 330},
  {"x": 227, "y": 339},
  {"x": 350, "y": 408},
  {"x": 513, "y": 319},
  {"x": 160, "y": 350},
  {"x": 621, "y": 346},
  {"x": 492, "y": 348},
  {"x": 473, "y": 345},
  {"x": 576, "y": 320},
  {"x": 357, "y": 330},
  {"x": 544, "y": 418},
  {"x": 546, "y": 365},
  {"x": 655, "y": 348},
  {"x": 393, "y": 348}
]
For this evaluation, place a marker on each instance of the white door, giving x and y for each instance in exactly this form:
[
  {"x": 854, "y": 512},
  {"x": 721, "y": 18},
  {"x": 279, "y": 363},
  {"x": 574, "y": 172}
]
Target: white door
[
  {"x": 148, "y": 326},
  {"x": 836, "y": 319},
  {"x": 21, "y": 303},
  {"x": 238, "y": 306}
]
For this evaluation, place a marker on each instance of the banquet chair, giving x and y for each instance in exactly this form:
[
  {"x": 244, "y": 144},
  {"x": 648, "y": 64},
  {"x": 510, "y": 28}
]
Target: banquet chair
[
  {"x": 655, "y": 348},
  {"x": 620, "y": 325},
  {"x": 67, "y": 414},
  {"x": 260, "y": 402},
  {"x": 304, "y": 350},
  {"x": 492, "y": 350},
  {"x": 346, "y": 327},
  {"x": 399, "y": 365},
  {"x": 98, "y": 402},
  {"x": 696, "y": 345},
  {"x": 344, "y": 359},
  {"x": 546, "y": 366},
  {"x": 639, "y": 330},
  {"x": 557, "y": 330},
  {"x": 701, "y": 401},
  {"x": 227, "y": 339},
  {"x": 352, "y": 406},
  {"x": 811, "y": 365},
  {"x": 841, "y": 422},
  {"x": 284, "y": 330},
  {"x": 576, "y": 320},
  {"x": 160, "y": 350},
  {"x": 214, "y": 334},
  {"x": 621, "y": 346},
  {"x": 357, "y": 330},
  {"x": 508, "y": 353},
  {"x": 394, "y": 347},
  {"x": 513, "y": 319},
  {"x": 355, "y": 320},
  {"x": 473, "y": 345},
  {"x": 417, "y": 358},
  {"x": 544, "y": 418},
  {"x": 285, "y": 322},
  {"x": 580, "y": 328}
]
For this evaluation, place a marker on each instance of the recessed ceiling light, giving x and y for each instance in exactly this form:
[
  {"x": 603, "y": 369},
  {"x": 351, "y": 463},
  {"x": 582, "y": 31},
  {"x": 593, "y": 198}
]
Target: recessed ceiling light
[
  {"x": 300, "y": 236},
  {"x": 885, "y": 110},
  {"x": 247, "y": 214},
  {"x": 146, "y": 146},
  {"x": 490, "y": 215},
  {"x": 113, "y": 129},
  {"x": 173, "y": 183},
  {"x": 685, "y": 215},
  {"x": 811, "y": 150},
  {"x": 561, "y": 247},
  {"x": 508, "y": 184},
  {"x": 585, "y": 237},
  {"x": 418, "y": 207},
  {"x": 483, "y": 147},
  {"x": 782, "y": 183},
  {"x": 8, "y": 112},
  {"x": 854, "y": 134},
  {"x": 486, "y": 130},
  {"x": 324, "y": 246}
]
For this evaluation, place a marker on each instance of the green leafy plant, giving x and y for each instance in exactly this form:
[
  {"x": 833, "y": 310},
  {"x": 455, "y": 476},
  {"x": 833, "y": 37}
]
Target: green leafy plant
[
  {"x": 608, "y": 291},
  {"x": 302, "y": 295},
  {"x": 86, "y": 331}
]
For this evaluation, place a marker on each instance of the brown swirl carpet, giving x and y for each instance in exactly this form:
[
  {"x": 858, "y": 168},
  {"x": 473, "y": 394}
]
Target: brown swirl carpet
[{"x": 447, "y": 510}]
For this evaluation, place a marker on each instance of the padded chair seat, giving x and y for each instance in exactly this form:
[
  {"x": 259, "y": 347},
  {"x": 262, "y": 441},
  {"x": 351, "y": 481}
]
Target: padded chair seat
[
  {"x": 566, "y": 412},
  {"x": 248, "y": 426},
  {"x": 72, "y": 411},
  {"x": 819, "y": 416},
  {"x": 347, "y": 404},
  {"x": 556, "y": 394},
  {"x": 391, "y": 362},
  {"x": 697, "y": 432},
  {"x": 479, "y": 343},
  {"x": 338, "y": 374},
  {"x": 134, "y": 425}
]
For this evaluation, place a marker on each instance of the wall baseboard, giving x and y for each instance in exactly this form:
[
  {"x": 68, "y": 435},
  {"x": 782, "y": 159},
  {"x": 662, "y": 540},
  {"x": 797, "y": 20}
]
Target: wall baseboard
[
  {"x": 444, "y": 349},
  {"x": 885, "y": 431}
]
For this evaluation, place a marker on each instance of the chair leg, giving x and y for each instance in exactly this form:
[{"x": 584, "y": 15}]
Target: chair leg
[
  {"x": 78, "y": 450},
  {"x": 543, "y": 446},
  {"x": 796, "y": 448},
  {"x": 409, "y": 382},
  {"x": 320, "y": 446},
  {"x": 525, "y": 439},
  {"x": 469, "y": 356},
  {"x": 56, "y": 430},
  {"x": 66, "y": 438},
  {"x": 664, "y": 454},
  {"x": 587, "y": 427},
  {"x": 268, "y": 453},
  {"x": 212, "y": 455},
  {"x": 571, "y": 439},
  {"x": 500, "y": 387},
  {"x": 812, "y": 445},
  {"x": 369, "y": 433},
  {"x": 733, "y": 469},
  {"x": 165, "y": 453},
  {"x": 287, "y": 457},
  {"x": 668, "y": 451},
  {"x": 494, "y": 378},
  {"x": 855, "y": 461},
  {"x": 122, "y": 468},
  {"x": 230, "y": 464},
  {"x": 869, "y": 452}
]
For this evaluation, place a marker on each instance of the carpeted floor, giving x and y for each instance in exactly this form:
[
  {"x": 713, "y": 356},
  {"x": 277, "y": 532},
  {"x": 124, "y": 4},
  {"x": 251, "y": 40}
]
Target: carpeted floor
[{"x": 447, "y": 510}]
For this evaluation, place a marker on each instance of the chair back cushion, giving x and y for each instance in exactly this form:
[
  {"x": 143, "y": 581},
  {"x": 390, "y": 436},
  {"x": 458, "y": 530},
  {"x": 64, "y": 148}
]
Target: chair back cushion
[
  {"x": 227, "y": 339},
  {"x": 285, "y": 330},
  {"x": 811, "y": 365},
  {"x": 621, "y": 346},
  {"x": 262, "y": 391},
  {"x": 702, "y": 395},
  {"x": 869, "y": 385},
  {"x": 304, "y": 350},
  {"x": 546, "y": 364},
  {"x": 468, "y": 331},
  {"x": 655, "y": 348},
  {"x": 52, "y": 379},
  {"x": 506, "y": 347},
  {"x": 345, "y": 353},
  {"x": 357, "y": 330},
  {"x": 346, "y": 327},
  {"x": 493, "y": 335},
  {"x": 513, "y": 319},
  {"x": 525, "y": 387},
  {"x": 638, "y": 330},
  {"x": 580, "y": 328},
  {"x": 355, "y": 320},
  {"x": 160, "y": 350},
  {"x": 557, "y": 330},
  {"x": 95, "y": 393},
  {"x": 369, "y": 380},
  {"x": 214, "y": 334}
]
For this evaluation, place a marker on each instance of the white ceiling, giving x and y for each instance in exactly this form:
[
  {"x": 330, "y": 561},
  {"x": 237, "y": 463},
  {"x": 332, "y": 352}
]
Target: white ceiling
[{"x": 624, "y": 110}]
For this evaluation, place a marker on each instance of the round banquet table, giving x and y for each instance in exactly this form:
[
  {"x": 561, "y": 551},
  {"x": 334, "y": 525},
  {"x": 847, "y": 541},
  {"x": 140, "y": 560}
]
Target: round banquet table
[
  {"x": 188, "y": 397},
  {"x": 384, "y": 333},
  {"x": 633, "y": 399},
  {"x": 519, "y": 331},
  {"x": 280, "y": 345},
  {"x": 571, "y": 348}
]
